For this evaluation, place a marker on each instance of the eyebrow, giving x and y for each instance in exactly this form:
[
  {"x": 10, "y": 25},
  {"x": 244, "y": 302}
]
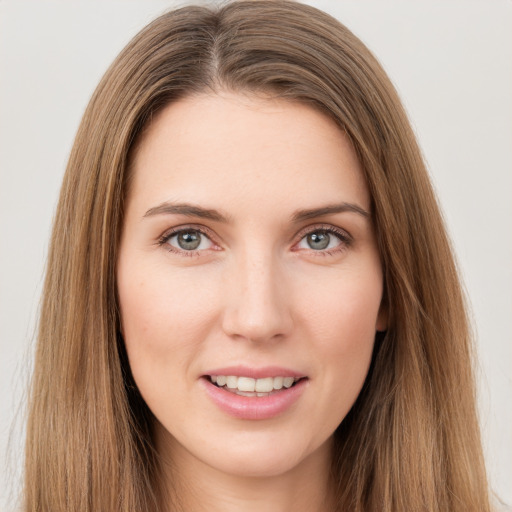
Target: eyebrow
[
  {"x": 301, "y": 215},
  {"x": 191, "y": 210}
]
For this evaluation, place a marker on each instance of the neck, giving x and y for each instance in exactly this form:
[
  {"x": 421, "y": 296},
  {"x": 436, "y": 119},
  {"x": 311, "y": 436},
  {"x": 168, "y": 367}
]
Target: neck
[{"x": 190, "y": 485}]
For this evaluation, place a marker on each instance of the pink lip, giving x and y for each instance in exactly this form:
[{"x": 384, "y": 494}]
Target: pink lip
[
  {"x": 255, "y": 373},
  {"x": 254, "y": 408}
]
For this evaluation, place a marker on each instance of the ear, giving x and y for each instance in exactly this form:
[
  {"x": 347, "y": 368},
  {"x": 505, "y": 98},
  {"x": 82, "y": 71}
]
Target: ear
[{"x": 382, "y": 318}]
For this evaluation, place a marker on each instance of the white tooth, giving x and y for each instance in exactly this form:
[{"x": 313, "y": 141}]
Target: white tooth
[
  {"x": 288, "y": 381},
  {"x": 213, "y": 378},
  {"x": 221, "y": 380},
  {"x": 245, "y": 384},
  {"x": 262, "y": 394},
  {"x": 278, "y": 382},
  {"x": 232, "y": 381},
  {"x": 244, "y": 393},
  {"x": 265, "y": 385}
]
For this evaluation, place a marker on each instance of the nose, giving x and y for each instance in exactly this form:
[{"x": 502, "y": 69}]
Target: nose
[{"x": 257, "y": 307}]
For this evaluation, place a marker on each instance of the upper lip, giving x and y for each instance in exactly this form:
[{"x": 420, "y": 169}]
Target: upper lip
[{"x": 256, "y": 373}]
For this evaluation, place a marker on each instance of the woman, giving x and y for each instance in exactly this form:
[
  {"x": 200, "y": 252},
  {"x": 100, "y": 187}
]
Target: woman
[{"x": 246, "y": 212}]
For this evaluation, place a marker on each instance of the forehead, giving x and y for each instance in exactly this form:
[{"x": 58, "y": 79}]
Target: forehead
[{"x": 246, "y": 150}]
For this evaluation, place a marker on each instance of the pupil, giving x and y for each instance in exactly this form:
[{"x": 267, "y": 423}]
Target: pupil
[
  {"x": 318, "y": 240},
  {"x": 189, "y": 240}
]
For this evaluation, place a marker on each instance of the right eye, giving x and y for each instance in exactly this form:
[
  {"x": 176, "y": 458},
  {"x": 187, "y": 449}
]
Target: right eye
[{"x": 187, "y": 240}]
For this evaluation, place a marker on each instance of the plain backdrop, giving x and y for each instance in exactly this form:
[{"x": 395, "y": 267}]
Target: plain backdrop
[{"x": 451, "y": 61}]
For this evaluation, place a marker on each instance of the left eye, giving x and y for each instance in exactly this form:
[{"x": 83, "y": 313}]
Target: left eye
[
  {"x": 189, "y": 240},
  {"x": 320, "y": 240}
]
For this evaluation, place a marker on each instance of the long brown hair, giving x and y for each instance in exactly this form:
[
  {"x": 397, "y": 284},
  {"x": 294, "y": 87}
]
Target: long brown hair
[{"x": 411, "y": 442}]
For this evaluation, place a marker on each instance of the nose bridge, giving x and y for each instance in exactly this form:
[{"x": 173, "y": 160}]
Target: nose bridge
[{"x": 257, "y": 307}]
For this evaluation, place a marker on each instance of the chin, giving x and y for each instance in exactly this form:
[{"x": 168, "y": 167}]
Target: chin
[
  {"x": 258, "y": 465},
  {"x": 259, "y": 458}
]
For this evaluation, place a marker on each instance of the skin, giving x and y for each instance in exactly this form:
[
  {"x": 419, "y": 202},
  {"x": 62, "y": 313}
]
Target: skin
[{"x": 255, "y": 293}]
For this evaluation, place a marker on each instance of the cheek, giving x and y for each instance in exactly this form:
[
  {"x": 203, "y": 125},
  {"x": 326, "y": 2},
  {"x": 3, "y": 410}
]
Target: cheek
[
  {"x": 157, "y": 300},
  {"x": 164, "y": 318},
  {"x": 164, "y": 321},
  {"x": 346, "y": 309},
  {"x": 343, "y": 324}
]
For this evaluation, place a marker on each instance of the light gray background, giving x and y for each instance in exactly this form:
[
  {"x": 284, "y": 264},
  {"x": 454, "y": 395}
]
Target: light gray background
[{"x": 452, "y": 63}]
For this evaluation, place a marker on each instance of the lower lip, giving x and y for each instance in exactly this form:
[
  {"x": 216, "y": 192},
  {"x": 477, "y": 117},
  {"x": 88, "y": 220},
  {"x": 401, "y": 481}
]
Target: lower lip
[{"x": 252, "y": 407}]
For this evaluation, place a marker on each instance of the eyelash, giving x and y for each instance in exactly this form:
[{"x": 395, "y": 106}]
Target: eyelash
[
  {"x": 343, "y": 236},
  {"x": 164, "y": 239}
]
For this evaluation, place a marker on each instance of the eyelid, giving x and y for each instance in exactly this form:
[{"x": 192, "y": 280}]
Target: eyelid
[
  {"x": 343, "y": 235},
  {"x": 330, "y": 228},
  {"x": 176, "y": 230}
]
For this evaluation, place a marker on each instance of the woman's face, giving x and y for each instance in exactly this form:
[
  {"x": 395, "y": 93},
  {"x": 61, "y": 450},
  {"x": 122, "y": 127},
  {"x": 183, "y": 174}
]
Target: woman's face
[{"x": 248, "y": 258}]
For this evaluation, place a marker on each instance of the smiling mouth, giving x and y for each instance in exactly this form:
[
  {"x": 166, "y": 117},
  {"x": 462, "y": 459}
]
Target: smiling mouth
[{"x": 247, "y": 386}]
